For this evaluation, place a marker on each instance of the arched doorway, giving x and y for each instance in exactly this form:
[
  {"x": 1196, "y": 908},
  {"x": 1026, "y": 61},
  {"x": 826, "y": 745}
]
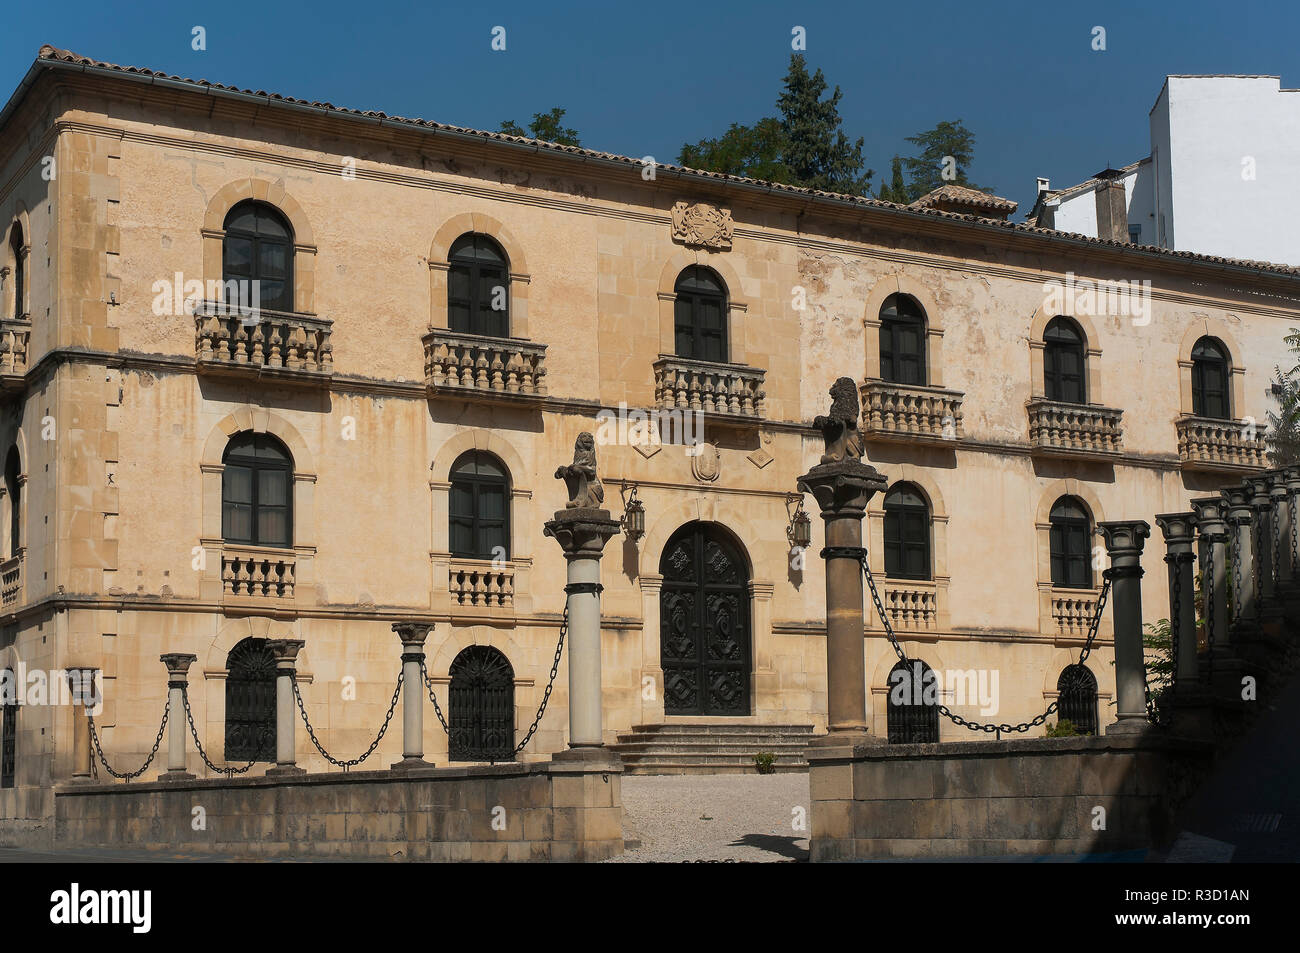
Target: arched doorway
[
  {"x": 250, "y": 702},
  {"x": 704, "y": 637},
  {"x": 481, "y": 719},
  {"x": 912, "y": 707}
]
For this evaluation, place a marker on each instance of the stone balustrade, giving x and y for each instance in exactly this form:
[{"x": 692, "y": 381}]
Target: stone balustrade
[
  {"x": 734, "y": 390},
  {"x": 1205, "y": 443},
  {"x": 15, "y": 336},
  {"x": 911, "y": 604},
  {"x": 1087, "y": 429},
  {"x": 481, "y": 584},
  {"x": 272, "y": 343},
  {"x": 502, "y": 367},
  {"x": 257, "y": 573},
  {"x": 903, "y": 410},
  {"x": 1073, "y": 611},
  {"x": 11, "y": 581}
]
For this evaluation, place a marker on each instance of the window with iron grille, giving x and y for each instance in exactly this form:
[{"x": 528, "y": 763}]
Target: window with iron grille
[
  {"x": 1064, "y": 362},
  {"x": 9, "y": 731},
  {"x": 700, "y": 315},
  {"x": 1210, "y": 375},
  {"x": 912, "y": 707},
  {"x": 250, "y": 702},
  {"x": 907, "y": 533},
  {"x": 1077, "y": 695},
  {"x": 478, "y": 287},
  {"x": 481, "y": 709},
  {"x": 1071, "y": 544},
  {"x": 902, "y": 341}
]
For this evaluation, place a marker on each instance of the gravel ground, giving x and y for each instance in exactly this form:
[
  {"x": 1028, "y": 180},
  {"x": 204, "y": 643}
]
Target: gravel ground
[{"x": 715, "y": 817}]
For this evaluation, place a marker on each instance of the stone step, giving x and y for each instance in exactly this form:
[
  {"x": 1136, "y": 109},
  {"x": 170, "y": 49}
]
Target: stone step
[
  {"x": 716, "y": 748},
  {"x": 699, "y": 752},
  {"x": 719, "y": 740},
  {"x": 721, "y": 728},
  {"x": 651, "y": 746},
  {"x": 692, "y": 767}
]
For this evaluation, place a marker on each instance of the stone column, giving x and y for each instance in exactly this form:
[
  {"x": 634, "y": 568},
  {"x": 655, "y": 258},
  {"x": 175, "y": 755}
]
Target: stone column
[
  {"x": 1289, "y": 542},
  {"x": 81, "y": 685},
  {"x": 1213, "y": 542},
  {"x": 286, "y": 654},
  {"x": 582, "y": 529},
  {"x": 1180, "y": 531},
  {"x": 1281, "y": 496},
  {"x": 1261, "y": 503},
  {"x": 1240, "y": 514},
  {"x": 1124, "y": 541},
  {"x": 842, "y": 485},
  {"x": 178, "y": 667},
  {"x": 412, "y": 635}
]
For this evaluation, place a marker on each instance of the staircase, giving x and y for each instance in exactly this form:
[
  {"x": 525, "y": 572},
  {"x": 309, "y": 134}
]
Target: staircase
[{"x": 711, "y": 749}]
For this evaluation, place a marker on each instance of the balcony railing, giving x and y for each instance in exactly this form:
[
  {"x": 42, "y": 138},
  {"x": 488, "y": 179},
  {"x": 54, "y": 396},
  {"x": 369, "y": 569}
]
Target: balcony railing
[
  {"x": 733, "y": 390},
  {"x": 11, "y": 581},
  {"x": 905, "y": 410},
  {"x": 15, "y": 335},
  {"x": 257, "y": 573},
  {"x": 494, "y": 367},
  {"x": 911, "y": 604},
  {"x": 1073, "y": 610},
  {"x": 277, "y": 344},
  {"x": 481, "y": 584},
  {"x": 1205, "y": 443},
  {"x": 1058, "y": 427}
]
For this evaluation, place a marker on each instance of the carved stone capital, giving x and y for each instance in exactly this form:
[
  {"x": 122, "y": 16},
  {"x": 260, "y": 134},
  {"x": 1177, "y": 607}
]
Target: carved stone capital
[
  {"x": 1179, "y": 530},
  {"x": 413, "y": 634},
  {"x": 582, "y": 532},
  {"x": 702, "y": 225},
  {"x": 285, "y": 652},
  {"x": 1238, "y": 500},
  {"x": 178, "y": 667},
  {"x": 843, "y": 488},
  {"x": 1124, "y": 540}
]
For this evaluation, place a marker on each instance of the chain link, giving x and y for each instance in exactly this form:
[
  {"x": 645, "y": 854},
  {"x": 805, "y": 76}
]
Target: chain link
[
  {"x": 555, "y": 667},
  {"x": 153, "y": 752},
  {"x": 952, "y": 716},
  {"x": 228, "y": 770},
  {"x": 1295, "y": 536},
  {"x": 1276, "y": 509},
  {"x": 345, "y": 765},
  {"x": 1236, "y": 569}
]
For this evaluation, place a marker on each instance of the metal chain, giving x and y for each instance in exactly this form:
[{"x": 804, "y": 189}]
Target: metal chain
[
  {"x": 437, "y": 709},
  {"x": 129, "y": 775},
  {"x": 1277, "y": 547},
  {"x": 555, "y": 667},
  {"x": 345, "y": 765},
  {"x": 228, "y": 770},
  {"x": 1295, "y": 536},
  {"x": 1208, "y": 594},
  {"x": 1256, "y": 563},
  {"x": 952, "y": 716},
  {"x": 1236, "y": 569}
]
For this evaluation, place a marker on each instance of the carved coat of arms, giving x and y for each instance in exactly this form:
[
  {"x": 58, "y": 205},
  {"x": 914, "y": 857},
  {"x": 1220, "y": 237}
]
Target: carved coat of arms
[
  {"x": 706, "y": 462},
  {"x": 697, "y": 223}
]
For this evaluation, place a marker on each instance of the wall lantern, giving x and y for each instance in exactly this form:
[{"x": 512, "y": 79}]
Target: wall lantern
[
  {"x": 799, "y": 532},
  {"x": 633, "y": 516}
]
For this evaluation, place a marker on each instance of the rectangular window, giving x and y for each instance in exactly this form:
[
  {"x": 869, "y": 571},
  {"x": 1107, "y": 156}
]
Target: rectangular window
[{"x": 8, "y": 741}]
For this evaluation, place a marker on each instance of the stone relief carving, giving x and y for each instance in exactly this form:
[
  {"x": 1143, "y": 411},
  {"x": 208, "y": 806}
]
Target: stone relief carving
[
  {"x": 840, "y": 429},
  {"x": 580, "y": 479},
  {"x": 706, "y": 462},
  {"x": 698, "y": 223}
]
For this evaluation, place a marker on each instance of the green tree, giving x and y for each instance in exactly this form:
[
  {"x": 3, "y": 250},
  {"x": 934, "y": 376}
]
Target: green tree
[
  {"x": 753, "y": 151},
  {"x": 1284, "y": 424},
  {"x": 947, "y": 151},
  {"x": 545, "y": 126},
  {"x": 817, "y": 152},
  {"x": 896, "y": 189}
]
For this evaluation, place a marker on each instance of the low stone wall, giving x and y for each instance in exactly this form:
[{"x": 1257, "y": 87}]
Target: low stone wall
[
  {"x": 549, "y": 811},
  {"x": 994, "y": 798}
]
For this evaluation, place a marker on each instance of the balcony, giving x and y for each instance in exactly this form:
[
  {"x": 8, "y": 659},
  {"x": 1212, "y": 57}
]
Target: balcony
[
  {"x": 1205, "y": 443},
  {"x": 286, "y": 347},
  {"x": 724, "y": 390},
  {"x": 257, "y": 574},
  {"x": 477, "y": 584},
  {"x": 465, "y": 365},
  {"x": 1072, "y": 611},
  {"x": 11, "y": 582},
  {"x": 908, "y": 412},
  {"x": 911, "y": 604},
  {"x": 1069, "y": 430},
  {"x": 14, "y": 337}
]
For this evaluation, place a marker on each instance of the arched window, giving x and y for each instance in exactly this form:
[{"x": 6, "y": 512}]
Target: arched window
[
  {"x": 256, "y": 492},
  {"x": 9, "y": 690},
  {"x": 14, "y": 491},
  {"x": 479, "y": 507},
  {"x": 1064, "y": 362},
  {"x": 1210, "y": 368},
  {"x": 912, "y": 709},
  {"x": 700, "y": 315},
  {"x": 250, "y": 702},
  {"x": 1077, "y": 694},
  {"x": 481, "y": 716},
  {"x": 478, "y": 287},
  {"x": 902, "y": 340},
  {"x": 1071, "y": 549},
  {"x": 907, "y": 533},
  {"x": 258, "y": 248},
  {"x": 16, "y": 250}
]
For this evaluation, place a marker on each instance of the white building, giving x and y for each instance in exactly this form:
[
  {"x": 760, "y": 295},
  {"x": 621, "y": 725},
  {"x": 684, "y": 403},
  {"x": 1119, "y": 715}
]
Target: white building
[{"x": 1220, "y": 180}]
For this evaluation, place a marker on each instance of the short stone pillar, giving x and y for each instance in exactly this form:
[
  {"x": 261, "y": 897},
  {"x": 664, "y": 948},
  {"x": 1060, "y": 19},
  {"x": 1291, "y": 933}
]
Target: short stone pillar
[
  {"x": 178, "y": 667},
  {"x": 412, "y": 635},
  {"x": 582, "y": 529},
  {"x": 1261, "y": 504},
  {"x": 842, "y": 485},
  {"x": 286, "y": 654},
  {"x": 81, "y": 685},
  {"x": 1213, "y": 544},
  {"x": 1124, "y": 542},
  {"x": 1242, "y": 580},
  {"x": 1180, "y": 533}
]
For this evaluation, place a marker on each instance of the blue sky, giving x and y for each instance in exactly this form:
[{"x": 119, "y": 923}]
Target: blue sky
[{"x": 640, "y": 78}]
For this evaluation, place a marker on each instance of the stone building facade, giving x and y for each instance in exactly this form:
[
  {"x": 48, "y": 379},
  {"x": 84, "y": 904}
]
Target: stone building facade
[{"x": 379, "y": 443}]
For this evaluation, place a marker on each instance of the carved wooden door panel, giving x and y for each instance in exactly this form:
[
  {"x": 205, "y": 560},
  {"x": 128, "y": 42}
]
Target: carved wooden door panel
[{"x": 704, "y": 625}]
